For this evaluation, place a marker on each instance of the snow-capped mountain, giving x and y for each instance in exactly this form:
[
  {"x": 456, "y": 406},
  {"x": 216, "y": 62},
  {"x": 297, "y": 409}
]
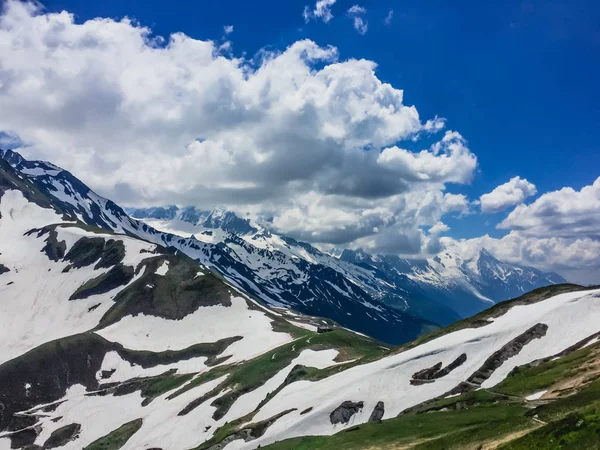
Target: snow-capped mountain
[
  {"x": 110, "y": 341},
  {"x": 440, "y": 289},
  {"x": 467, "y": 284},
  {"x": 255, "y": 263}
]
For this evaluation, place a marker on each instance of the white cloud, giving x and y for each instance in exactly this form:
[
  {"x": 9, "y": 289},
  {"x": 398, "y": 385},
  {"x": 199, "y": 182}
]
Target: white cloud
[
  {"x": 566, "y": 213},
  {"x": 506, "y": 195},
  {"x": 228, "y": 29},
  {"x": 357, "y": 10},
  {"x": 446, "y": 161},
  {"x": 322, "y": 10},
  {"x": 360, "y": 25},
  {"x": 390, "y": 16},
  {"x": 560, "y": 231},
  {"x": 296, "y": 136},
  {"x": 439, "y": 227},
  {"x": 577, "y": 259}
]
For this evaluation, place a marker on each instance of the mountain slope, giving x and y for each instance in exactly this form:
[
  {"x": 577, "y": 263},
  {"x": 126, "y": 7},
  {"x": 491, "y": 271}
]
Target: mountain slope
[{"x": 267, "y": 273}]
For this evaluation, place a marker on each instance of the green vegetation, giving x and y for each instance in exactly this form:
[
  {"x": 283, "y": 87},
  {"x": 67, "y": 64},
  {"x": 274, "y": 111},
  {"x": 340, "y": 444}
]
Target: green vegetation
[
  {"x": 172, "y": 296},
  {"x": 147, "y": 359},
  {"x": 532, "y": 378},
  {"x": 250, "y": 375},
  {"x": 117, "y": 438},
  {"x": 574, "y": 432},
  {"x": 474, "y": 418},
  {"x": 162, "y": 385},
  {"x": 440, "y": 430},
  {"x": 87, "y": 251},
  {"x": 62, "y": 436}
]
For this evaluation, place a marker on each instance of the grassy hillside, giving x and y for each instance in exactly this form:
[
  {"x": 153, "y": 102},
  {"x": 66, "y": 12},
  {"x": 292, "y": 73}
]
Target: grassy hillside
[{"x": 567, "y": 416}]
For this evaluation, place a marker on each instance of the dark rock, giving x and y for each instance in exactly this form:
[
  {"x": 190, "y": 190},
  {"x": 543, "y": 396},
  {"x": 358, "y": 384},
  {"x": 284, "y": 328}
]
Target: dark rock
[
  {"x": 432, "y": 373},
  {"x": 3, "y": 269},
  {"x": 324, "y": 329},
  {"x": 509, "y": 350},
  {"x": 377, "y": 413},
  {"x": 453, "y": 365},
  {"x": 306, "y": 411},
  {"x": 345, "y": 411},
  {"x": 23, "y": 438},
  {"x": 62, "y": 436},
  {"x": 428, "y": 373},
  {"x": 498, "y": 358},
  {"x": 107, "y": 373}
]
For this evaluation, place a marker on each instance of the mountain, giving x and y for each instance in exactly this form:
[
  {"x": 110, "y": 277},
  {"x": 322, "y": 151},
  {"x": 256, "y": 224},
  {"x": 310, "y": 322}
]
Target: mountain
[
  {"x": 117, "y": 342},
  {"x": 442, "y": 289},
  {"x": 466, "y": 283},
  {"x": 249, "y": 262}
]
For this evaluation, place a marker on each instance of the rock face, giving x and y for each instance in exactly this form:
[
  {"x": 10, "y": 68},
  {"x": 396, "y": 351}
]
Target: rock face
[
  {"x": 434, "y": 372},
  {"x": 63, "y": 435},
  {"x": 345, "y": 411},
  {"x": 428, "y": 373},
  {"x": 498, "y": 358},
  {"x": 377, "y": 413}
]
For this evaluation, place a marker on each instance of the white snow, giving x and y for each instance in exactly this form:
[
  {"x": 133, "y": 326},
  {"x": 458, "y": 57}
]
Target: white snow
[
  {"x": 162, "y": 270},
  {"x": 248, "y": 402},
  {"x": 207, "y": 324},
  {"x": 536, "y": 396},
  {"x": 35, "y": 306},
  {"x": 124, "y": 370},
  {"x": 98, "y": 417}
]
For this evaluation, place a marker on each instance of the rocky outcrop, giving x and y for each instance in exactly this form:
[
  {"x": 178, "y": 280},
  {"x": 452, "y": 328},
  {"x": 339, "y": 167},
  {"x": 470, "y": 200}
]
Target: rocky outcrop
[
  {"x": 436, "y": 371},
  {"x": 62, "y": 436},
  {"x": 345, "y": 411},
  {"x": 428, "y": 373},
  {"x": 377, "y": 413},
  {"x": 498, "y": 358},
  {"x": 3, "y": 269}
]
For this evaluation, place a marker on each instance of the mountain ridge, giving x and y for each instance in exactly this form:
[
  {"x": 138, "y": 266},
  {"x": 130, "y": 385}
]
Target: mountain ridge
[{"x": 313, "y": 290}]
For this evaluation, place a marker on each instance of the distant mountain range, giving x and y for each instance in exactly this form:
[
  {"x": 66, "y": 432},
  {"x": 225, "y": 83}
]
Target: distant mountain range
[
  {"x": 440, "y": 289},
  {"x": 387, "y": 297}
]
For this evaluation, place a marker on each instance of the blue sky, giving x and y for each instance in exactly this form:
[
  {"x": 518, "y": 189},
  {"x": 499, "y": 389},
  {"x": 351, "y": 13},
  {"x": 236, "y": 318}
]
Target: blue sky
[{"x": 517, "y": 79}]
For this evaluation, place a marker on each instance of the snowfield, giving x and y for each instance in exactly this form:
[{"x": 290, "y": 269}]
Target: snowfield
[{"x": 207, "y": 324}]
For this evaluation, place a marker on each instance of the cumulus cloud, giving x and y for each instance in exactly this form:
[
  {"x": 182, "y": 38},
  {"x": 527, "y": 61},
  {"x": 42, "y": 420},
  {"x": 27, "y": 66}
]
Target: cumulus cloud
[
  {"x": 513, "y": 192},
  {"x": 356, "y": 12},
  {"x": 322, "y": 10},
  {"x": 298, "y": 137},
  {"x": 560, "y": 231},
  {"x": 449, "y": 160},
  {"x": 439, "y": 227},
  {"x": 566, "y": 213},
  {"x": 228, "y": 29}
]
